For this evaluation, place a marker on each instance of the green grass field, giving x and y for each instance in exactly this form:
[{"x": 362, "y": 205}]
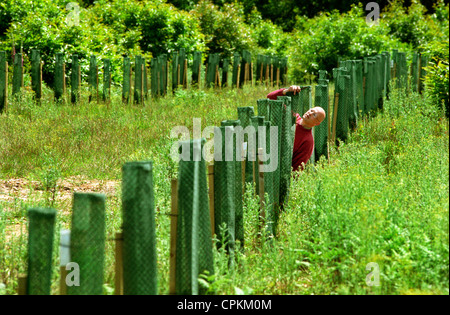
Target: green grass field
[{"x": 382, "y": 197}]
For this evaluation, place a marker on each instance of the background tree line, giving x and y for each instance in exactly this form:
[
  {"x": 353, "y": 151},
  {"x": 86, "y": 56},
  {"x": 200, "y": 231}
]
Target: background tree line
[{"x": 312, "y": 34}]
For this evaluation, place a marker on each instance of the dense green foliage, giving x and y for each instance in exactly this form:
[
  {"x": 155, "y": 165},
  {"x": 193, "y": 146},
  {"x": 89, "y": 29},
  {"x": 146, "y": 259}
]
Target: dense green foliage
[{"x": 383, "y": 197}]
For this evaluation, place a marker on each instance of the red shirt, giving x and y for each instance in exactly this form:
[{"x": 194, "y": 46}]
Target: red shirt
[{"x": 303, "y": 140}]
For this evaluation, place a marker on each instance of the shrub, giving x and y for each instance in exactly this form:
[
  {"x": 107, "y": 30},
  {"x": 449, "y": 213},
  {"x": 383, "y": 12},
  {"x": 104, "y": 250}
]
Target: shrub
[{"x": 224, "y": 29}]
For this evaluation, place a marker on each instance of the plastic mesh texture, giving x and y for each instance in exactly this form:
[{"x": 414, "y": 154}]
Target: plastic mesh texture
[
  {"x": 74, "y": 79},
  {"x": 88, "y": 242},
  {"x": 196, "y": 64},
  {"x": 236, "y": 62},
  {"x": 237, "y": 153},
  {"x": 126, "y": 87},
  {"x": 270, "y": 218},
  {"x": 286, "y": 148},
  {"x": 244, "y": 115},
  {"x": 256, "y": 122},
  {"x": 276, "y": 120},
  {"x": 40, "y": 249},
  {"x": 352, "y": 111},
  {"x": 59, "y": 76},
  {"x": 36, "y": 72},
  {"x": 194, "y": 243},
  {"x": 139, "y": 231},
  {"x": 213, "y": 63},
  {"x": 321, "y": 131},
  {"x": 342, "y": 88},
  {"x": 225, "y": 187}
]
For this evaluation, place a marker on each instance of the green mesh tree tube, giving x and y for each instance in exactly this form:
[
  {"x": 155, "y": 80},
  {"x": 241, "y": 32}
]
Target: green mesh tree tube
[
  {"x": 246, "y": 59},
  {"x": 194, "y": 244},
  {"x": 138, "y": 84},
  {"x": 163, "y": 73},
  {"x": 213, "y": 63},
  {"x": 263, "y": 108},
  {"x": 40, "y": 250},
  {"x": 59, "y": 76},
  {"x": 237, "y": 152},
  {"x": 321, "y": 131},
  {"x": 17, "y": 74},
  {"x": 3, "y": 87},
  {"x": 88, "y": 242},
  {"x": 126, "y": 86},
  {"x": 75, "y": 79},
  {"x": 268, "y": 184},
  {"x": 196, "y": 67},
  {"x": 225, "y": 68},
  {"x": 286, "y": 149},
  {"x": 388, "y": 71},
  {"x": 296, "y": 106},
  {"x": 106, "y": 79},
  {"x": 224, "y": 188},
  {"x": 36, "y": 83},
  {"x": 414, "y": 71},
  {"x": 139, "y": 230},
  {"x": 154, "y": 77},
  {"x": 175, "y": 74},
  {"x": 359, "y": 87},
  {"x": 244, "y": 116},
  {"x": 342, "y": 87},
  {"x": 259, "y": 68},
  {"x": 403, "y": 70},
  {"x": 181, "y": 60},
  {"x": 256, "y": 122},
  {"x": 276, "y": 120},
  {"x": 93, "y": 78},
  {"x": 352, "y": 107}
]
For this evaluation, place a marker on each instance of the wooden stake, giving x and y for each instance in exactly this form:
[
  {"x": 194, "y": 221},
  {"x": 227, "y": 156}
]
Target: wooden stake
[
  {"x": 185, "y": 74},
  {"x": 238, "y": 76},
  {"x": 173, "y": 237},
  {"x": 278, "y": 78},
  {"x": 251, "y": 73},
  {"x": 62, "y": 280},
  {"x": 22, "y": 284},
  {"x": 271, "y": 75},
  {"x": 118, "y": 280},
  {"x": 211, "y": 195},
  {"x": 261, "y": 185},
  {"x": 261, "y": 73}
]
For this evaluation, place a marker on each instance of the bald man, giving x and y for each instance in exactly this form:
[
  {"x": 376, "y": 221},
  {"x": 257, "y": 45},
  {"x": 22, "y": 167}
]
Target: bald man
[{"x": 303, "y": 140}]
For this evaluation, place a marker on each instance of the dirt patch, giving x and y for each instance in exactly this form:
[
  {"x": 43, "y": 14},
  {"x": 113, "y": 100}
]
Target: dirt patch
[
  {"x": 19, "y": 188},
  {"x": 17, "y": 192}
]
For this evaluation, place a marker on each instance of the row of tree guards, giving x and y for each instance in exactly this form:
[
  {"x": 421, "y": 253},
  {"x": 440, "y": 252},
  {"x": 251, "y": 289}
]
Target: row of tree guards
[
  {"x": 137, "y": 73},
  {"x": 207, "y": 199}
]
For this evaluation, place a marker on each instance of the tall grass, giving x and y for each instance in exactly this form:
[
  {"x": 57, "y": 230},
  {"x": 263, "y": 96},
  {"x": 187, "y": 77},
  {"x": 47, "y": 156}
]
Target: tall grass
[{"x": 382, "y": 197}]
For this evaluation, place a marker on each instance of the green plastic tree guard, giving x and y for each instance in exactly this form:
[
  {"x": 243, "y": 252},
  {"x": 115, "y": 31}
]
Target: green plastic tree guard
[{"x": 40, "y": 250}]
